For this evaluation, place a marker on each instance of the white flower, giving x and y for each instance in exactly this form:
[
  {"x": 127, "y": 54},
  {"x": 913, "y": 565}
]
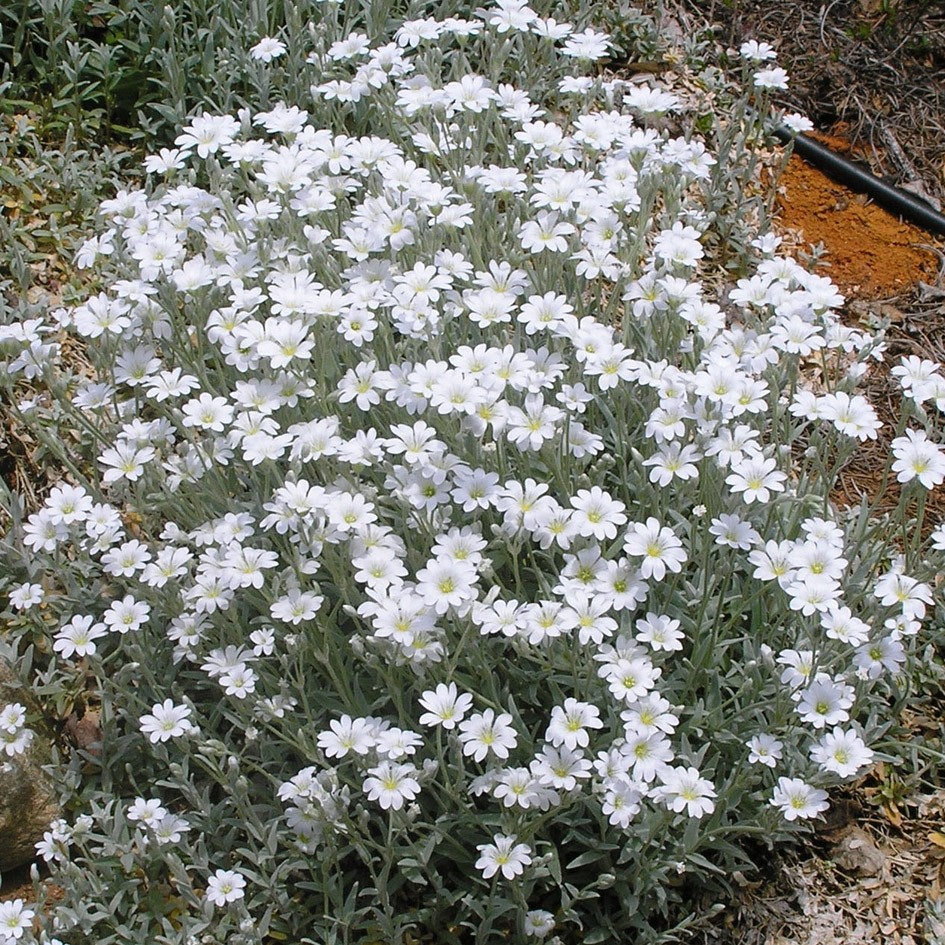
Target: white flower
[
  {"x": 853, "y": 416},
  {"x": 146, "y": 810},
  {"x": 764, "y": 750},
  {"x": 12, "y": 717},
  {"x": 539, "y": 923},
  {"x": 799, "y": 124},
  {"x": 15, "y": 919},
  {"x": 395, "y": 743},
  {"x": 347, "y": 734},
  {"x": 25, "y": 596},
  {"x": 15, "y": 741},
  {"x": 391, "y": 785},
  {"x": 207, "y": 412},
  {"x": 350, "y": 512},
  {"x": 486, "y": 733},
  {"x": 170, "y": 828},
  {"x": 733, "y": 532},
  {"x": 679, "y": 246},
  {"x": 569, "y": 723},
  {"x": 895, "y": 588},
  {"x": 936, "y": 537},
  {"x": 360, "y": 385},
  {"x": 873, "y": 659},
  {"x": 814, "y": 593},
  {"x": 917, "y": 457},
  {"x": 445, "y": 706},
  {"x": 511, "y": 15},
  {"x": 545, "y": 620},
  {"x": 630, "y": 678},
  {"x": 622, "y": 797},
  {"x": 412, "y": 32},
  {"x": 589, "y": 44},
  {"x": 754, "y": 51},
  {"x": 649, "y": 752},
  {"x": 94, "y": 247},
  {"x": 54, "y": 847},
  {"x": 545, "y": 233},
  {"x": 503, "y": 854},
  {"x": 560, "y": 767},
  {"x": 520, "y": 787},
  {"x": 508, "y": 617},
  {"x": 797, "y": 799},
  {"x": 660, "y": 632},
  {"x": 796, "y": 335},
  {"x": 165, "y": 161},
  {"x": 69, "y": 504},
  {"x": 800, "y": 666},
  {"x": 225, "y": 886},
  {"x": 840, "y": 624},
  {"x": 267, "y": 49},
  {"x": 353, "y": 45},
  {"x": 208, "y": 133},
  {"x": 445, "y": 583},
  {"x": 78, "y": 637},
  {"x": 126, "y": 614},
  {"x": 754, "y": 478},
  {"x": 772, "y": 78},
  {"x": 659, "y": 547},
  {"x": 296, "y": 607},
  {"x": 842, "y": 752},
  {"x": 532, "y": 424},
  {"x": 684, "y": 789},
  {"x": 471, "y": 93},
  {"x": 650, "y": 714},
  {"x": 673, "y": 461},
  {"x": 126, "y": 461},
  {"x": 166, "y": 721},
  {"x": 825, "y": 702},
  {"x": 380, "y": 569},
  {"x": 597, "y": 514},
  {"x": 817, "y": 558}
]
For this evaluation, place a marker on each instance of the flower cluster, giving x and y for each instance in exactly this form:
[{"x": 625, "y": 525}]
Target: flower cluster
[
  {"x": 15, "y": 736},
  {"x": 462, "y": 497}
]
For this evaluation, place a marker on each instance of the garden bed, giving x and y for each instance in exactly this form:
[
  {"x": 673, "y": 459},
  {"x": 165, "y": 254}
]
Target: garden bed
[{"x": 353, "y": 563}]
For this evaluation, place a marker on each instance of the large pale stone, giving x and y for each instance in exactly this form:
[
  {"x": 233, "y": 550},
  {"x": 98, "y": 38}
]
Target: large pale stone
[{"x": 28, "y": 801}]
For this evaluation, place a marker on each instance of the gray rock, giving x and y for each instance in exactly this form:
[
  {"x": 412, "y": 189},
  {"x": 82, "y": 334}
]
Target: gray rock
[{"x": 28, "y": 802}]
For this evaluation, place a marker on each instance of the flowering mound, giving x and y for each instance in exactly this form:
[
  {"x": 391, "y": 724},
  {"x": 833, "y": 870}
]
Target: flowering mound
[{"x": 449, "y": 556}]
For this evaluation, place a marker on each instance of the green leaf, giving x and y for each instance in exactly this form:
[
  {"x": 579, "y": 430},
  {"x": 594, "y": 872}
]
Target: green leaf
[{"x": 591, "y": 856}]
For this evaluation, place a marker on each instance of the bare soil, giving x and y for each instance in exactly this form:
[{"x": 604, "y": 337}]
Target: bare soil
[{"x": 869, "y": 253}]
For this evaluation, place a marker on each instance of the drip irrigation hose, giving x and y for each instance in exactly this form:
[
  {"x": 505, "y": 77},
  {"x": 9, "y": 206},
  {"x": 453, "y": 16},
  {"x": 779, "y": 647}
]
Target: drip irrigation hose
[{"x": 894, "y": 199}]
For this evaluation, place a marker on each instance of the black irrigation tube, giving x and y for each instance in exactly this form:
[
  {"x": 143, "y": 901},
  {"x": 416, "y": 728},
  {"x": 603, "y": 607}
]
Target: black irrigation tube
[{"x": 894, "y": 199}]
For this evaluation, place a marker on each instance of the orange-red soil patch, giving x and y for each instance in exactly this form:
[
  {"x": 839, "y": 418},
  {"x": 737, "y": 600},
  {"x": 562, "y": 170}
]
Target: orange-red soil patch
[{"x": 870, "y": 252}]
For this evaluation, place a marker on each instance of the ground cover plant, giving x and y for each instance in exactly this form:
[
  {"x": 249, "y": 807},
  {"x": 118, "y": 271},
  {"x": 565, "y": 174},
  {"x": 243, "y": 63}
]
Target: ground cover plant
[
  {"x": 49, "y": 193},
  {"x": 134, "y": 70},
  {"x": 446, "y": 533}
]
